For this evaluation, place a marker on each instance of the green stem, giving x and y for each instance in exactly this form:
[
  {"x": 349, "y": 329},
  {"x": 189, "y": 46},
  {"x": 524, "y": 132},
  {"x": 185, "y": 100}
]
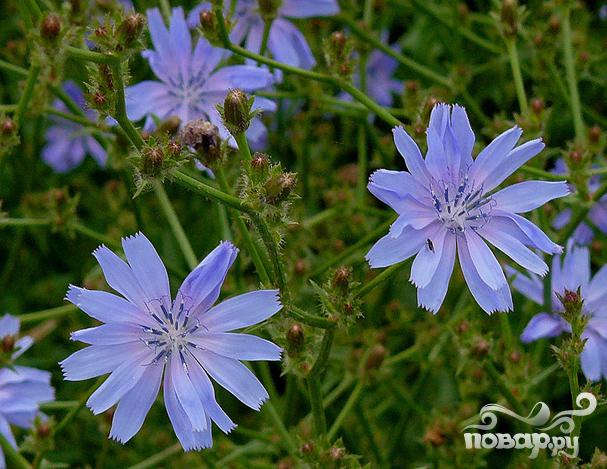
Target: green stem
[
  {"x": 516, "y": 73},
  {"x": 121, "y": 115},
  {"x": 272, "y": 249},
  {"x": 318, "y": 412},
  {"x": 243, "y": 149},
  {"x": 175, "y": 224},
  {"x": 13, "y": 455},
  {"x": 24, "y": 222},
  {"x": 34, "y": 9},
  {"x": 260, "y": 264},
  {"x": 310, "y": 319},
  {"x": 51, "y": 313},
  {"x": 72, "y": 414},
  {"x": 280, "y": 427},
  {"x": 385, "y": 275},
  {"x": 100, "y": 237},
  {"x": 32, "y": 78},
  {"x": 163, "y": 455},
  {"x": 348, "y": 406},
  {"x": 165, "y": 8},
  {"x": 266, "y": 35},
  {"x": 9, "y": 67},
  {"x": 541, "y": 173},
  {"x": 503, "y": 387},
  {"x": 576, "y": 107},
  {"x": 361, "y": 188},
  {"x": 78, "y": 53}
]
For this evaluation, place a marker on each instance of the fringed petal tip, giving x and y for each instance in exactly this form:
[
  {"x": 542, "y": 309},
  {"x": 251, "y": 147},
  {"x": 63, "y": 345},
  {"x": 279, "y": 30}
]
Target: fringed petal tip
[
  {"x": 230, "y": 246},
  {"x": 427, "y": 308},
  {"x": 73, "y": 294}
]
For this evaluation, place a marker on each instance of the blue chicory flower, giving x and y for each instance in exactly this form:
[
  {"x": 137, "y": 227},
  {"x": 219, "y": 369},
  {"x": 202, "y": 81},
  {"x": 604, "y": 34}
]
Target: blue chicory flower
[
  {"x": 285, "y": 42},
  {"x": 146, "y": 335},
  {"x": 191, "y": 84},
  {"x": 446, "y": 203},
  {"x": 583, "y": 233},
  {"x": 22, "y": 389},
  {"x": 569, "y": 273},
  {"x": 68, "y": 142}
]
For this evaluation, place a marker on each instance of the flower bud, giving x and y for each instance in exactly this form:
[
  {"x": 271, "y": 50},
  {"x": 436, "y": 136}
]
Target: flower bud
[
  {"x": 295, "y": 337},
  {"x": 279, "y": 187},
  {"x": 537, "y": 105},
  {"x": 375, "y": 358},
  {"x": 509, "y": 17},
  {"x": 341, "y": 277},
  {"x": 260, "y": 161},
  {"x": 480, "y": 348},
  {"x": 203, "y": 137},
  {"x": 131, "y": 28},
  {"x": 8, "y": 126},
  {"x": 43, "y": 430},
  {"x": 268, "y": 8},
  {"x": 594, "y": 133},
  {"x": 174, "y": 148},
  {"x": 7, "y": 344},
  {"x": 570, "y": 299},
  {"x": 152, "y": 160},
  {"x": 50, "y": 28},
  {"x": 307, "y": 447},
  {"x": 337, "y": 454},
  {"x": 237, "y": 111}
]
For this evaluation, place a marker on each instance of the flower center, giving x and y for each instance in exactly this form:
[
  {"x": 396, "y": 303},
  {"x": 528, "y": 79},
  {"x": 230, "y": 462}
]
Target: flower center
[
  {"x": 460, "y": 206},
  {"x": 171, "y": 330}
]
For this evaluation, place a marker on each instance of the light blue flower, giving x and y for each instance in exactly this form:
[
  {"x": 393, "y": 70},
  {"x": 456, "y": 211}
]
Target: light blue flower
[
  {"x": 570, "y": 273},
  {"x": 68, "y": 142},
  {"x": 191, "y": 84},
  {"x": 22, "y": 389},
  {"x": 285, "y": 42},
  {"x": 146, "y": 335},
  {"x": 448, "y": 203},
  {"x": 597, "y": 215}
]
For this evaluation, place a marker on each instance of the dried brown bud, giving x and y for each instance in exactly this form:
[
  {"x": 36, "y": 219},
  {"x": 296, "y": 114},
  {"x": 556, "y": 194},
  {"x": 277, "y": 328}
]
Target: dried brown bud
[
  {"x": 515, "y": 356},
  {"x": 412, "y": 86},
  {"x": 480, "y": 348},
  {"x": 434, "y": 436},
  {"x": 338, "y": 41},
  {"x": 131, "y": 28},
  {"x": 99, "y": 99},
  {"x": 152, "y": 159},
  {"x": 268, "y": 7},
  {"x": 279, "y": 187},
  {"x": 337, "y": 454},
  {"x": 537, "y": 105},
  {"x": 174, "y": 148},
  {"x": 594, "y": 133},
  {"x": 207, "y": 20},
  {"x": 8, "y": 343},
  {"x": 8, "y": 127},
  {"x": 342, "y": 277},
  {"x": 570, "y": 299},
  {"x": 509, "y": 17},
  {"x": 260, "y": 161},
  {"x": 555, "y": 23},
  {"x": 50, "y": 27},
  {"x": 43, "y": 430},
  {"x": 101, "y": 31},
  {"x": 300, "y": 267},
  {"x": 295, "y": 337},
  {"x": 463, "y": 327},
  {"x": 575, "y": 156},
  {"x": 375, "y": 358},
  {"x": 203, "y": 137},
  {"x": 307, "y": 448}
]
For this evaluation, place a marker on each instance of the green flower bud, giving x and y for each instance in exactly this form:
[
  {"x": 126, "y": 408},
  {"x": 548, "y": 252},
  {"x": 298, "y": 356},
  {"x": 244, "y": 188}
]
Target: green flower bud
[
  {"x": 279, "y": 187},
  {"x": 236, "y": 111},
  {"x": 50, "y": 28}
]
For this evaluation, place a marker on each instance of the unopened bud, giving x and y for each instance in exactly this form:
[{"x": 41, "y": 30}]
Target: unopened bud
[
  {"x": 43, "y": 430},
  {"x": 509, "y": 17},
  {"x": 594, "y": 133},
  {"x": 307, "y": 448},
  {"x": 515, "y": 356},
  {"x": 8, "y": 344},
  {"x": 571, "y": 300},
  {"x": 336, "y": 454},
  {"x": 575, "y": 157},
  {"x": 260, "y": 161},
  {"x": 341, "y": 277},
  {"x": 300, "y": 267},
  {"x": 537, "y": 105},
  {"x": 8, "y": 127},
  {"x": 152, "y": 160},
  {"x": 480, "y": 348},
  {"x": 174, "y": 148},
  {"x": 339, "y": 41},
  {"x": 279, "y": 187},
  {"x": 131, "y": 28},
  {"x": 207, "y": 20},
  {"x": 375, "y": 358},
  {"x": 50, "y": 27},
  {"x": 99, "y": 99},
  {"x": 237, "y": 111},
  {"x": 295, "y": 337},
  {"x": 555, "y": 24},
  {"x": 412, "y": 86},
  {"x": 268, "y": 8},
  {"x": 203, "y": 137}
]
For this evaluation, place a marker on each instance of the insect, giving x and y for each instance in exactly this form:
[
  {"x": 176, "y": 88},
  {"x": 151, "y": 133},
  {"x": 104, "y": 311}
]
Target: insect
[{"x": 429, "y": 245}]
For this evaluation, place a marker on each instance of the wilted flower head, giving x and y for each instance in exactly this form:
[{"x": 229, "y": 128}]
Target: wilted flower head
[
  {"x": 146, "y": 334},
  {"x": 568, "y": 273},
  {"x": 285, "y": 42},
  {"x": 191, "y": 84},
  {"x": 583, "y": 233},
  {"x": 68, "y": 142},
  {"x": 447, "y": 202},
  {"x": 22, "y": 389}
]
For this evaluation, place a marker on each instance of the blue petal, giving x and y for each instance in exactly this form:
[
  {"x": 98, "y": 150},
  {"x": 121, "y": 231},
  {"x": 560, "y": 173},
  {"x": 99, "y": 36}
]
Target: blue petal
[
  {"x": 514, "y": 160},
  {"x": 241, "y": 311},
  {"x": 109, "y": 334},
  {"x": 535, "y": 237},
  {"x": 392, "y": 186},
  {"x": 529, "y": 195},
  {"x": 488, "y": 299},
  {"x": 135, "y": 404},
  {"x": 245, "y": 77},
  {"x": 309, "y": 8},
  {"x": 532, "y": 287},
  {"x": 288, "y": 45},
  {"x": 9, "y": 325},
  {"x": 390, "y": 250},
  {"x": 592, "y": 356},
  {"x": 96, "y": 360},
  {"x": 427, "y": 260},
  {"x": 485, "y": 263},
  {"x": 432, "y": 295},
  {"x": 597, "y": 288},
  {"x": 186, "y": 393},
  {"x": 576, "y": 268},
  {"x": 494, "y": 154},
  {"x": 496, "y": 232},
  {"x": 148, "y": 97},
  {"x": 464, "y": 136},
  {"x": 147, "y": 266},
  {"x": 409, "y": 150},
  {"x": 544, "y": 325},
  {"x": 234, "y": 377},
  {"x": 202, "y": 286},
  {"x": 238, "y": 346}
]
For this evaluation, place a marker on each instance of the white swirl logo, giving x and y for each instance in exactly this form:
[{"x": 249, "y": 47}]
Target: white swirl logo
[{"x": 539, "y": 418}]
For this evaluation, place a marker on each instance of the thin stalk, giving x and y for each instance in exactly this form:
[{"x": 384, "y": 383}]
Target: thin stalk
[
  {"x": 13, "y": 455},
  {"x": 243, "y": 148},
  {"x": 576, "y": 107},
  {"x": 313, "y": 383},
  {"x": 24, "y": 222},
  {"x": 310, "y": 319},
  {"x": 280, "y": 427},
  {"x": 361, "y": 188},
  {"x": 175, "y": 224},
  {"x": 51, "y": 313},
  {"x": 385, "y": 275},
  {"x": 32, "y": 78},
  {"x": 34, "y": 9},
  {"x": 260, "y": 264},
  {"x": 71, "y": 415},
  {"x": 163, "y": 455},
  {"x": 541, "y": 173},
  {"x": 165, "y": 8},
  {"x": 347, "y": 408},
  {"x": 78, "y": 53},
  {"x": 503, "y": 387},
  {"x": 100, "y": 237},
  {"x": 516, "y": 73},
  {"x": 266, "y": 35}
]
